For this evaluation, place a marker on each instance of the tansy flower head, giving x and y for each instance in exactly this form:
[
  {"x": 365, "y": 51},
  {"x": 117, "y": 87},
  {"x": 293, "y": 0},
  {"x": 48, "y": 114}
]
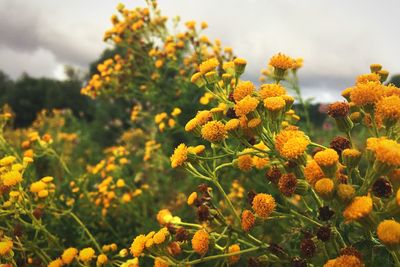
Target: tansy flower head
[
  {"x": 196, "y": 149},
  {"x": 271, "y": 90},
  {"x": 326, "y": 158},
  {"x": 208, "y": 65},
  {"x": 243, "y": 89},
  {"x": 191, "y": 125},
  {"x": 68, "y": 255},
  {"x": 274, "y": 103},
  {"x": 138, "y": 244},
  {"x": 101, "y": 260},
  {"x": 375, "y": 67},
  {"x": 213, "y": 131},
  {"x": 366, "y": 93},
  {"x": 287, "y": 184},
  {"x": 7, "y": 160},
  {"x": 198, "y": 79},
  {"x": 179, "y": 156},
  {"x": 240, "y": 65},
  {"x": 245, "y": 162},
  {"x": 200, "y": 242},
  {"x": 389, "y": 232},
  {"x": 203, "y": 117},
  {"x": 5, "y": 247},
  {"x": 245, "y": 106},
  {"x": 248, "y": 220},
  {"x": 324, "y": 187},
  {"x": 338, "y": 109},
  {"x": 359, "y": 208},
  {"x": 232, "y": 249},
  {"x": 56, "y": 263},
  {"x": 232, "y": 125},
  {"x": 294, "y": 147},
  {"x": 345, "y": 261},
  {"x": 285, "y": 135},
  {"x": 159, "y": 262},
  {"x": 86, "y": 254},
  {"x": 281, "y": 61},
  {"x": 345, "y": 192},
  {"x": 160, "y": 236},
  {"x": 253, "y": 123},
  {"x": 192, "y": 198},
  {"x": 11, "y": 178},
  {"x": 369, "y": 77},
  {"x": 385, "y": 150},
  {"x": 164, "y": 216},
  {"x": 37, "y": 186},
  {"x": 263, "y": 205},
  {"x": 387, "y": 109}
]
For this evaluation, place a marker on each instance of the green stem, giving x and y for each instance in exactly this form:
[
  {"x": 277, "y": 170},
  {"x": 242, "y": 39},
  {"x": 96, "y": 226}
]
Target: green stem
[{"x": 81, "y": 224}]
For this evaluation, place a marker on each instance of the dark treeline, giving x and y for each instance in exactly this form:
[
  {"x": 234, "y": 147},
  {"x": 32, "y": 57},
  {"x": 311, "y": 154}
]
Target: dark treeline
[{"x": 28, "y": 95}]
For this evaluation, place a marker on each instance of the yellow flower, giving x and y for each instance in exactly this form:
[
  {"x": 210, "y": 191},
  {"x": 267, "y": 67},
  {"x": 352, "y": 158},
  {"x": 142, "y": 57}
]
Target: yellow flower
[
  {"x": 274, "y": 103},
  {"x": 326, "y": 158},
  {"x": 369, "y": 77},
  {"x": 203, "y": 117},
  {"x": 243, "y": 89},
  {"x": 271, "y": 90},
  {"x": 197, "y": 149},
  {"x": 11, "y": 178},
  {"x": 294, "y": 147},
  {"x": 359, "y": 208},
  {"x": 388, "y": 232},
  {"x": 38, "y": 186},
  {"x": 263, "y": 205},
  {"x": 56, "y": 263},
  {"x": 200, "y": 242},
  {"x": 191, "y": 125},
  {"x": 385, "y": 150},
  {"x": 68, "y": 255},
  {"x": 137, "y": 245},
  {"x": 7, "y": 160},
  {"x": 43, "y": 193},
  {"x": 192, "y": 198},
  {"x": 5, "y": 247},
  {"x": 286, "y": 134},
  {"x": 176, "y": 111},
  {"x": 324, "y": 187},
  {"x": 387, "y": 109},
  {"x": 232, "y": 124},
  {"x": 345, "y": 261},
  {"x": 245, "y": 162},
  {"x": 248, "y": 220},
  {"x": 179, "y": 156},
  {"x": 102, "y": 259},
  {"x": 160, "y": 237},
  {"x": 164, "y": 216},
  {"x": 213, "y": 131},
  {"x": 159, "y": 262},
  {"x": 366, "y": 93},
  {"x": 86, "y": 254},
  {"x": 281, "y": 61},
  {"x": 208, "y": 65},
  {"x": 245, "y": 106},
  {"x": 232, "y": 249}
]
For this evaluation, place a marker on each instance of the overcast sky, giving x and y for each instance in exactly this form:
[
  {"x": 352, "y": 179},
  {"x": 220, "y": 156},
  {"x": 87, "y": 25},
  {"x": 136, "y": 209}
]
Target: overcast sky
[{"x": 337, "y": 39}]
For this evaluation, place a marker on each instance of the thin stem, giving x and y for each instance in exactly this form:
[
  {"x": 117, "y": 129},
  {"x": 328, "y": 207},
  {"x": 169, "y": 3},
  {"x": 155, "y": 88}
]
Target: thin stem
[{"x": 86, "y": 230}]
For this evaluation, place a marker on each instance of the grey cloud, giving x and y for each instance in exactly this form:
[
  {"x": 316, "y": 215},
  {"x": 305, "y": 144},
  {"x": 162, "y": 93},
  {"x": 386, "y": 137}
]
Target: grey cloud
[{"x": 27, "y": 31}]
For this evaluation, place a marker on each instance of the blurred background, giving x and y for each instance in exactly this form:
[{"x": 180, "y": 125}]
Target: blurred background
[{"x": 48, "y": 46}]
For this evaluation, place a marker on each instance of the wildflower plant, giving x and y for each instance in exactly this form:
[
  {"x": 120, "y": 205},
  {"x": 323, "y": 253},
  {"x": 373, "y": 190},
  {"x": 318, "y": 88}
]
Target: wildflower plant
[{"x": 306, "y": 203}]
